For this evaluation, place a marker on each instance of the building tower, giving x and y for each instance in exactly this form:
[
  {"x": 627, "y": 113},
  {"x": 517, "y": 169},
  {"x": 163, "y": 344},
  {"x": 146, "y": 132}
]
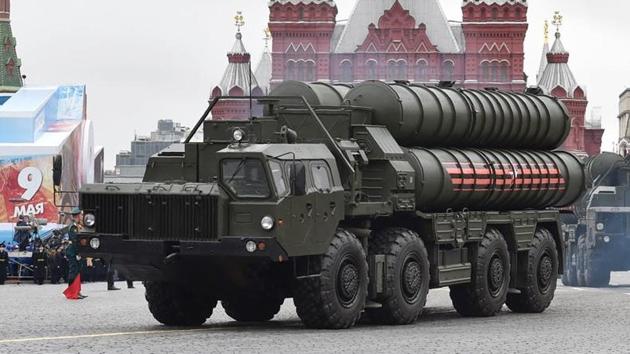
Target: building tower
[
  {"x": 545, "y": 51},
  {"x": 302, "y": 32},
  {"x": 624, "y": 122},
  {"x": 264, "y": 69},
  {"x": 238, "y": 80},
  {"x": 494, "y": 31},
  {"x": 10, "y": 76},
  {"x": 557, "y": 80}
]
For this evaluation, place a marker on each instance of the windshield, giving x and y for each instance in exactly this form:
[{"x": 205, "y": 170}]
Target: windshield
[
  {"x": 278, "y": 178},
  {"x": 245, "y": 177}
]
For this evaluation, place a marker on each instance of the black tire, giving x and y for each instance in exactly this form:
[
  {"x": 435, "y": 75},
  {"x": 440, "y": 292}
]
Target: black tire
[
  {"x": 569, "y": 277},
  {"x": 581, "y": 261},
  {"x": 596, "y": 273},
  {"x": 336, "y": 298},
  {"x": 177, "y": 304},
  {"x": 541, "y": 277},
  {"x": 251, "y": 308},
  {"x": 407, "y": 281},
  {"x": 487, "y": 292}
]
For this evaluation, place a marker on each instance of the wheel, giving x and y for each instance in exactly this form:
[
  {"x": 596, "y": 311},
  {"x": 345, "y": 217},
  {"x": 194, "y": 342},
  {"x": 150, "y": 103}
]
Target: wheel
[
  {"x": 541, "y": 276},
  {"x": 581, "y": 262},
  {"x": 486, "y": 293},
  {"x": 407, "y": 276},
  {"x": 596, "y": 273},
  {"x": 336, "y": 297},
  {"x": 252, "y": 308},
  {"x": 177, "y": 304},
  {"x": 569, "y": 277}
]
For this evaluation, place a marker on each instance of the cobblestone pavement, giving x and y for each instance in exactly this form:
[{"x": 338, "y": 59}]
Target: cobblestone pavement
[{"x": 38, "y": 319}]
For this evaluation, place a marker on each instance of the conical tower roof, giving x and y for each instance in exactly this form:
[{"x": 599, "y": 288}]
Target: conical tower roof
[
  {"x": 237, "y": 75},
  {"x": 557, "y": 73},
  {"x": 10, "y": 75},
  {"x": 264, "y": 70}
]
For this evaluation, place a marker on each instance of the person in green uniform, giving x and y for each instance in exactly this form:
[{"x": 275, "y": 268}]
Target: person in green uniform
[
  {"x": 4, "y": 263},
  {"x": 74, "y": 267}
]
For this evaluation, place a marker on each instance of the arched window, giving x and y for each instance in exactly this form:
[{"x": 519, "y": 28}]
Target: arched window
[
  {"x": 485, "y": 71},
  {"x": 301, "y": 71},
  {"x": 494, "y": 71},
  {"x": 448, "y": 68},
  {"x": 290, "y": 72},
  {"x": 495, "y": 12},
  {"x": 371, "y": 70},
  {"x": 347, "y": 74},
  {"x": 310, "y": 71},
  {"x": 422, "y": 71},
  {"x": 397, "y": 70},
  {"x": 504, "y": 72}
]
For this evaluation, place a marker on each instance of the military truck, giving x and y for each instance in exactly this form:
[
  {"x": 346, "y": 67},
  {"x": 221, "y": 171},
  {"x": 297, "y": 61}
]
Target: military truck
[
  {"x": 596, "y": 235},
  {"x": 349, "y": 200}
]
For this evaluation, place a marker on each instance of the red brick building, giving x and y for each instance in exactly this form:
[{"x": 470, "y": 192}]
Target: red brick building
[
  {"x": 400, "y": 40},
  {"x": 556, "y": 79}
]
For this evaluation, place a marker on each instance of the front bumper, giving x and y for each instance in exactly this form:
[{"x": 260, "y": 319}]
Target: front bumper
[{"x": 124, "y": 250}]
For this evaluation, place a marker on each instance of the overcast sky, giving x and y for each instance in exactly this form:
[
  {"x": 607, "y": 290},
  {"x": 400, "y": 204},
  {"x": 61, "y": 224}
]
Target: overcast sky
[{"x": 144, "y": 60}]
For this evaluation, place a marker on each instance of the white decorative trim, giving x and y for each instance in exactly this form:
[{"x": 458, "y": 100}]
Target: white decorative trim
[
  {"x": 495, "y": 46},
  {"x": 302, "y": 46}
]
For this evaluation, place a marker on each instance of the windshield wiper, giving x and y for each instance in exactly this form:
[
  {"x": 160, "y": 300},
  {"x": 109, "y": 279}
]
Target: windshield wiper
[{"x": 238, "y": 169}]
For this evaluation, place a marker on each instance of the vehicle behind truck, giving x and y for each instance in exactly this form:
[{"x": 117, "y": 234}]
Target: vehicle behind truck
[
  {"x": 597, "y": 235},
  {"x": 348, "y": 200}
]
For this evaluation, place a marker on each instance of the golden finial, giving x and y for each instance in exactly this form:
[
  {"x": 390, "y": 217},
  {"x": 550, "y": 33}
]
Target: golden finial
[
  {"x": 557, "y": 21},
  {"x": 546, "y": 32},
  {"x": 267, "y": 37},
  {"x": 239, "y": 20}
]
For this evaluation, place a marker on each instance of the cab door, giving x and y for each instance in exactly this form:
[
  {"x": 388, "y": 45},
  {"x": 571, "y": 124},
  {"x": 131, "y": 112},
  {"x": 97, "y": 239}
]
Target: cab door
[
  {"x": 302, "y": 210},
  {"x": 326, "y": 205}
]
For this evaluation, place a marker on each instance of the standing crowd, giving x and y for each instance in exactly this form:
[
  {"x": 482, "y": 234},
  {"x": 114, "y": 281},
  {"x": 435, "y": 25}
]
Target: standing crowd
[{"x": 57, "y": 258}]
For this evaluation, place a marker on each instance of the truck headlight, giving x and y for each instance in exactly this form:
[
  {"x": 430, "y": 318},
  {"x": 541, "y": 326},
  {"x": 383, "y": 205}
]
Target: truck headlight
[
  {"x": 89, "y": 220},
  {"x": 267, "y": 223},
  {"x": 95, "y": 243},
  {"x": 599, "y": 226},
  {"x": 238, "y": 135}
]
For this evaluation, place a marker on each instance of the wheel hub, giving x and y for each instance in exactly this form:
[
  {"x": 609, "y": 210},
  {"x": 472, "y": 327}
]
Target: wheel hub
[
  {"x": 348, "y": 282},
  {"x": 496, "y": 273},
  {"x": 412, "y": 278},
  {"x": 545, "y": 270}
]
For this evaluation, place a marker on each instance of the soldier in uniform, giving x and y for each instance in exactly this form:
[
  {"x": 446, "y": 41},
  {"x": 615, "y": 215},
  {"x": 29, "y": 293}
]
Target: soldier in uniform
[
  {"x": 74, "y": 267},
  {"x": 40, "y": 259},
  {"x": 4, "y": 263},
  {"x": 54, "y": 266}
]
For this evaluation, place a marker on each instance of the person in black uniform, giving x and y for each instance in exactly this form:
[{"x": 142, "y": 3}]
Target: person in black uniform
[
  {"x": 4, "y": 263},
  {"x": 39, "y": 265},
  {"x": 54, "y": 266}
]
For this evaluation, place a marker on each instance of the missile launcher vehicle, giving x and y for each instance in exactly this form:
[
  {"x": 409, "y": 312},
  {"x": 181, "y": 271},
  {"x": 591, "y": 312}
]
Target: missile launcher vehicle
[
  {"x": 349, "y": 200},
  {"x": 597, "y": 235}
]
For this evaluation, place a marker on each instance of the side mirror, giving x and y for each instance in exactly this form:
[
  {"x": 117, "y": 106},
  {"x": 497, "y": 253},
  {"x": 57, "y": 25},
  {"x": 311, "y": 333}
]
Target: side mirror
[
  {"x": 298, "y": 179},
  {"x": 57, "y": 170}
]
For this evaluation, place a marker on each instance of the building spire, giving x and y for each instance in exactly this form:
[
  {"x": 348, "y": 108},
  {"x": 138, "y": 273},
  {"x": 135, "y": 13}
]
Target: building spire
[
  {"x": 546, "y": 32},
  {"x": 267, "y": 38},
  {"x": 239, "y": 21},
  {"x": 557, "y": 21}
]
